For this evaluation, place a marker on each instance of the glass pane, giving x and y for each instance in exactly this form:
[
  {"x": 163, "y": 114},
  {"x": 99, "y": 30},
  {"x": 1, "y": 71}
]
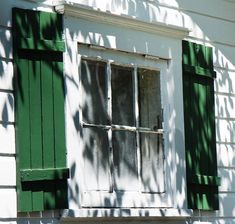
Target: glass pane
[
  {"x": 125, "y": 161},
  {"x": 152, "y": 169},
  {"x": 94, "y": 92},
  {"x": 149, "y": 99},
  {"x": 96, "y": 159},
  {"x": 122, "y": 96},
  {"x": 151, "y": 145}
]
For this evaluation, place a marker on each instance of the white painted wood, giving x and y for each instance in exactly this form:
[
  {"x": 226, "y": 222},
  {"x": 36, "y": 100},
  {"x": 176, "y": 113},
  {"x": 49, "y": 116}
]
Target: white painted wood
[
  {"x": 223, "y": 56},
  {"x": 221, "y": 9},
  {"x": 224, "y": 106},
  {"x": 7, "y": 139},
  {"x": 125, "y": 199},
  {"x": 8, "y": 203},
  {"x": 6, "y": 9},
  {"x": 227, "y": 179},
  {"x": 126, "y": 213},
  {"x": 6, "y": 107},
  {"x": 226, "y": 204},
  {"x": 109, "y": 36},
  {"x": 225, "y": 155},
  {"x": 225, "y": 131},
  {"x": 7, "y": 164},
  {"x": 6, "y": 75},
  {"x": 225, "y": 82},
  {"x": 156, "y": 27},
  {"x": 5, "y": 44},
  {"x": 216, "y": 8}
]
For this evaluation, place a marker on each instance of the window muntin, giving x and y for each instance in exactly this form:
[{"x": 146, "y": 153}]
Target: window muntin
[{"x": 124, "y": 99}]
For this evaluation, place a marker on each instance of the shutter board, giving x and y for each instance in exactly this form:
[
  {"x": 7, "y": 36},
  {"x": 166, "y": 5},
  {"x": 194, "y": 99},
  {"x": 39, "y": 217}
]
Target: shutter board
[
  {"x": 38, "y": 30},
  {"x": 198, "y": 89},
  {"x": 44, "y": 174},
  {"x": 41, "y": 152}
]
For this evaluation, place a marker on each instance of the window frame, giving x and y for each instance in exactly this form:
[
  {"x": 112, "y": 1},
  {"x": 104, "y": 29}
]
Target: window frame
[{"x": 135, "y": 62}]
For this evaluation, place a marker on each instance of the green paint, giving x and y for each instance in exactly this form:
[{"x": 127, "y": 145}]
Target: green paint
[
  {"x": 201, "y": 163},
  {"x": 44, "y": 174},
  {"x": 41, "y": 152}
]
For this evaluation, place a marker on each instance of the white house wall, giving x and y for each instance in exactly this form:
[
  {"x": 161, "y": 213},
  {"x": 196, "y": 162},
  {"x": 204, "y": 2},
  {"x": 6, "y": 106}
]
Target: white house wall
[{"x": 211, "y": 22}]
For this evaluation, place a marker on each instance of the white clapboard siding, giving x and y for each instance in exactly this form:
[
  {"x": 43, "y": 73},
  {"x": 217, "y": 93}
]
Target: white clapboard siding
[
  {"x": 226, "y": 204},
  {"x": 225, "y": 154},
  {"x": 227, "y": 176},
  {"x": 225, "y": 81},
  {"x": 5, "y": 43},
  {"x": 221, "y": 9},
  {"x": 224, "y": 56},
  {"x": 7, "y": 171},
  {"x": 8, "y": 203},
  {"x": 6, "y": 9},
  {"x": 7, "y": 139},
  {"x": 224, "y": 106},
  {"x": 225, "y": 130},
  {"x": 6, "y": 75},
  {"x": 6, "y": 107},
  {"x": 204, "y": 28}
]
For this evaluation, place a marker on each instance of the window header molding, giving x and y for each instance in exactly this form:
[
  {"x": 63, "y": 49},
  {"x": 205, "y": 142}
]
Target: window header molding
[{"x": 89, "y": 13}]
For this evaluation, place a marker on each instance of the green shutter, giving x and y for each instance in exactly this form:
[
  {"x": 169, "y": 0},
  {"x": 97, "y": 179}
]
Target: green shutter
[
  {"x": 39, "y": 105},
  {"x": 199, "y": 119}
]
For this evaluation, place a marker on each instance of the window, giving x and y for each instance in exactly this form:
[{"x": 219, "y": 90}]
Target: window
[{"x": 122, "y": 128}]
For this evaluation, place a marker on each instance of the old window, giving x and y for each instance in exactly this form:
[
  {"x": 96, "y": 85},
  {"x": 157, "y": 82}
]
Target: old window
[{"x": 122, "y": 128}]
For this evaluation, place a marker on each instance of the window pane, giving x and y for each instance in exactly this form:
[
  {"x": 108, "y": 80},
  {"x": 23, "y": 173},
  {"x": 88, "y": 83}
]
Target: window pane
[
  {"x": 122, "y": 96},
  {"x": 151, "y": 145},
  {"x": 149, "y": 99},
  {"x": 125, "y": 161},
  {"x": 152, "y": 162},
  {"x": 94, "y": 92},
  {"x": 96, "y": 159}
]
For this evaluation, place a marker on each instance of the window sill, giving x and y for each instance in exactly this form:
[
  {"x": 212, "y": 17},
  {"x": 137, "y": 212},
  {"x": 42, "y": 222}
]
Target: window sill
[{"x": 128, "y": 213}]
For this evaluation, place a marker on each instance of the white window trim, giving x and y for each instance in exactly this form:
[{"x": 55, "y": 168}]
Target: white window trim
[{"x": 130, "y": 199}]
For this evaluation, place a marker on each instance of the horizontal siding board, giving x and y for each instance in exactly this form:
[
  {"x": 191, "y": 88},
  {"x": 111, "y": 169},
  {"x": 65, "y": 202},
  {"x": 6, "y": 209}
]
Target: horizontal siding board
[
  {"x": 6, "y": 107},
  {"x": 227, "y": 179},
  {"x": 225, "y": 81},
  {"x": 7, "y": 178},
  {"x": 5, "y": 43},
  {"x": 6, "y": 75},
  {"x": 224, "y": 56},
  {"x": 6, "y": 7},
  {"x": 227, "y": 205},
  {"x": 7, "y": 139},
  {"x": 222, "y": 9},
  {"x": 225, "y": 131},
  {"x": 224, "y": 106},
  {"x": 203, "y": 28},
  {"x": 8, "y": 203},
  {"x": 226, "y": 155}
]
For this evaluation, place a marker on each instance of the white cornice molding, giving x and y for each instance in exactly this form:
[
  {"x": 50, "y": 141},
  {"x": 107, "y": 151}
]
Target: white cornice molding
[{"x": 91, "y": 14}]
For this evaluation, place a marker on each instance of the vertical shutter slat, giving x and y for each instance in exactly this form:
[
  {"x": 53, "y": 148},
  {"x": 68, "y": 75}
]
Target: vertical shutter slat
[
  {"x": 58, "y": 89},
  {"x": 41, "y": 150},
  {"x": 47, "y": 115},
  {"x": 23, "y": 128},
  {"x": 201, "y": 163},
  {"x": 35, "y": 114}
]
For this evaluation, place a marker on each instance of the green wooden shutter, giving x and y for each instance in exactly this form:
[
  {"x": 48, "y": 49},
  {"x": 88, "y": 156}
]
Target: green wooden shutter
[
  {"x": 39, "y": 105},
  {"x": 199, "y": 119}
]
